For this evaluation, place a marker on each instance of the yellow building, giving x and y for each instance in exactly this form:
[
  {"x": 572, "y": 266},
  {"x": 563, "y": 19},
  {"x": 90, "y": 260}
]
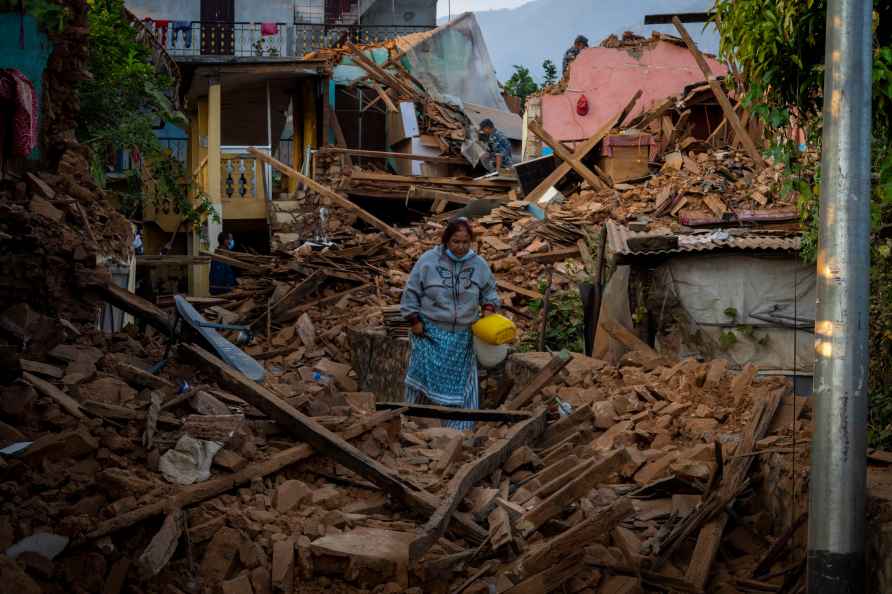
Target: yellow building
[{"x": 233, "y": 105}]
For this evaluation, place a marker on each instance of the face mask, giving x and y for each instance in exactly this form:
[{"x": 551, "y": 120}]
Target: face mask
[
  {"x": 230, "y": 244},
  {"x": 467, "y": 256}
]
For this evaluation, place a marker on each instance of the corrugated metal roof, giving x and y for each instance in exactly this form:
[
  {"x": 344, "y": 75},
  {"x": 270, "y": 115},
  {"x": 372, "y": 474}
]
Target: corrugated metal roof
[{"x": 618, "y": 241}]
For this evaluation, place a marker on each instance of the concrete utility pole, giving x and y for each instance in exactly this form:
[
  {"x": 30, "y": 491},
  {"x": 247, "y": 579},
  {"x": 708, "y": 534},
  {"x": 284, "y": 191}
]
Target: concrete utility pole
[{"x": 836, "y": 559}]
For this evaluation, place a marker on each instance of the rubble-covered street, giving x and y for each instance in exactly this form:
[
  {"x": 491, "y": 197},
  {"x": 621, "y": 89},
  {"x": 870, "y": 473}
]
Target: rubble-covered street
[{"x": 205, "y": 389}]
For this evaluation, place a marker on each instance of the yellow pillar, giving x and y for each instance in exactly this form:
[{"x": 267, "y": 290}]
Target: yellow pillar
[{"x": 309, "y": 115}]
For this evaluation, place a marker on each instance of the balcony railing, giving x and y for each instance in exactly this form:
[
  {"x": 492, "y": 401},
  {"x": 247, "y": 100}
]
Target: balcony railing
[{"x": 241, "y": 39}]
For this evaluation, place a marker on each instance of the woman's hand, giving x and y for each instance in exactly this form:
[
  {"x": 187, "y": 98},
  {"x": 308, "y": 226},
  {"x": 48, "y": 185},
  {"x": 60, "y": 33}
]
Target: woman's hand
[{"x": 418, "y": 328}]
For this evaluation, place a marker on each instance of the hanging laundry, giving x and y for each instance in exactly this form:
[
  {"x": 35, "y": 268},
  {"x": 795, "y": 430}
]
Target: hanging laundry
[
  {"x": 161, "y": 29},
  {"x": 184, "y": 27},
  {"x": 18, "y": 129},
  {"x": 269, "y": 29}
]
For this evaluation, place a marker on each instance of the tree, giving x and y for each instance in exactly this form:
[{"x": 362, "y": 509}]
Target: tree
[
  {"x": 521, "y": 84},
  {"x": 779, "y": 45},
  {"x": 120, "y": 105},
  {"x": 551, "y": 75}
]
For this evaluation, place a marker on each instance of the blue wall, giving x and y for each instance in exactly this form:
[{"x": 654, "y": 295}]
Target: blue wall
[{"x": 32, "y": 60}]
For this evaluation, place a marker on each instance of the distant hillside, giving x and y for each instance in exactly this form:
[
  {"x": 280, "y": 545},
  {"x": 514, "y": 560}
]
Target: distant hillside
[{"x": 542, "y": 29}]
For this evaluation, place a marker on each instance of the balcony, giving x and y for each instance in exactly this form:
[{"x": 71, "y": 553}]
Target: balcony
[{"x": 268, "y": 41}]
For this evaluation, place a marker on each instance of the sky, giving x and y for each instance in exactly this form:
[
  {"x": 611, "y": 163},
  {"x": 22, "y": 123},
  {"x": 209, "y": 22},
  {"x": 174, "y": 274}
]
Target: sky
[{"x": 460, "y": 6}]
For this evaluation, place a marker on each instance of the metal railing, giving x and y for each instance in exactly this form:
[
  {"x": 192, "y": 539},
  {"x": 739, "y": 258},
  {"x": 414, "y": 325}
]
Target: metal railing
[{"x": 242, "y": 39}]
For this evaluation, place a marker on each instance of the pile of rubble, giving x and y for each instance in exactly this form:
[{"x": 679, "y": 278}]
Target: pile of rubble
[{"x": 197, "y": 479}]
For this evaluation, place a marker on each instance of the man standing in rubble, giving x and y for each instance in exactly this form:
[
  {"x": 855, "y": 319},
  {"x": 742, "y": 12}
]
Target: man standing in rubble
[
  {"x": 498, "y": 147},
  {"x": 580, "y": 44}
]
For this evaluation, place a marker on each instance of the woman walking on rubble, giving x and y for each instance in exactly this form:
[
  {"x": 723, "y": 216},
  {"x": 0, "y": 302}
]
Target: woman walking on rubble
[{"x": 448, "y": 287}]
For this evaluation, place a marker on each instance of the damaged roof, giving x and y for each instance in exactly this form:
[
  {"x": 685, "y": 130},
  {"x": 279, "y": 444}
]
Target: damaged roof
[
  {"x": 623, "y": 241},
  {"x": 608, "y": 77}
]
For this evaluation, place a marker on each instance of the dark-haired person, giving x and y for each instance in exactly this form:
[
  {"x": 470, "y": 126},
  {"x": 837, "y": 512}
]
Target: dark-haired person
[
  {"x": 571, "y": 54},
  {"x": 447, "y": 289},
  {"x": 222, "y": 277},
  {"x": 497, "y": 145}
]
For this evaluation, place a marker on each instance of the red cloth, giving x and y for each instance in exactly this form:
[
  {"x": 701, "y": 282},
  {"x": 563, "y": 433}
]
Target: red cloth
[
  {"x": 20, "y": 101},
  {"x": 269, "y": 29}
]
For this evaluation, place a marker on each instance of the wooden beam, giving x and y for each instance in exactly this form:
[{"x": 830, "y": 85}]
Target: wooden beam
[
  {"x": 577, "y": 487},
  {"x": 318, "y": 436},
  {"x": 172, "y": 260},
  {"x": 212, "y": 488},
  {"x": 628, "y": 108},
  {"x": 425, "y": 411},
  {"x": 625, "y": 337},
  {"x": 539, "y": 381},
  {"x": 503, "y": 284},
  {"x": 137, "y": 307},
  {"x": 334, "y": 197},
  {"x": 558, "y": 255},
  {"x": 581, "y": 153},
  {"x": 578, "y": 537},
  {"x": 469, "y": 475},
  {"x": 416, "y": 193},
  {"x": 67, "y": 403},
  {"x": 294, "y": 313},
  {"x": 382, "y": 94},
  {"x": 390, "y": 155},
  {"x": 564, "y": 155},
  {"x": 433, "y": 181},
  {"x": 710, "y": 536},
  {"x": 381, "y": 75},
  {"x": 234, "y": 262},
  {"x": 722, "y": 98}
]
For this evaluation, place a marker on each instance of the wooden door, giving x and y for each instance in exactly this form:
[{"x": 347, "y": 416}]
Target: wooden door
[{"x": 218, "y": 27}]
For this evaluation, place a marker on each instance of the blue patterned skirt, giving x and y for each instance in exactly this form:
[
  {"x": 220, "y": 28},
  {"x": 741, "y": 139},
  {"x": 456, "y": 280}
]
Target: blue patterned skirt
[{"x": 443, "y": 368}]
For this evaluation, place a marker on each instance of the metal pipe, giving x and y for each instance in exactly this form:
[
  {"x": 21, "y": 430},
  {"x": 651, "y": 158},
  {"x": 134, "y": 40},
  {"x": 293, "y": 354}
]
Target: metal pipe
[
  {"x": 836, "y": 535},
  {"x": 267, "y": 170}
]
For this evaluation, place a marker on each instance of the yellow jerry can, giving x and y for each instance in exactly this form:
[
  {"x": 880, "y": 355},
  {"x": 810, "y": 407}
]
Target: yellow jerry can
[{"x": 495, "y": 329}]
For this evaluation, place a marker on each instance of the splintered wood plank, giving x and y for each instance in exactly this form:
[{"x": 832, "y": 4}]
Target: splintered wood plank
[
  {"x": 539, "y": 381},
  {"x": 722, "y": 98},
  {"x": 578, "y": 537},
  {"x": 214, "y": 487},
  {"x": 319, "y": 437},
  {"x": 137, "y": 307},
  {"x": 554, "y": 505},
  {"x": 68, "y": 403},
  {"x": 625, "y": 337},
  {"x": 333, "y": 196},
  {"x": 710, "y": 536},
  {"x": 469, "y": 475},
  {"x": 429, "y": 411},
  {"x": 566, "y": 156},
  {"x": 564, "y": 168},
  {"x": 503, "y": 284},
  {"x": 551, "y": 578}
]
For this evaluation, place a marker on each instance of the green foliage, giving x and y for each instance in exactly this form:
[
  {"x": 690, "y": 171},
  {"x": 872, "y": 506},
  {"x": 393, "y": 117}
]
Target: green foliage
[
  {"x": 521, "y": 84},
  {"x": 565, "y": 328},
  {"x": 730, "y": 312},
  {"x": 49, "y": 14},
  {"x": 779, "y": 45},
  {"x": 727, "y": 339},
  {"x": 121, "y": 106},
  {"x": 551, "y": 73}
]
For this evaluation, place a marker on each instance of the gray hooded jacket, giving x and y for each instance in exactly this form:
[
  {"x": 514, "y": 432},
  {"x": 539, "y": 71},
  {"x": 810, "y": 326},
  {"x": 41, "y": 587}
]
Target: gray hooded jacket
[{"x": 449, "y": 293}]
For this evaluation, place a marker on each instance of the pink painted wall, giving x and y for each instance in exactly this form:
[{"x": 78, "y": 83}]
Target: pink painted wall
[{"x": 610, "y": 77}]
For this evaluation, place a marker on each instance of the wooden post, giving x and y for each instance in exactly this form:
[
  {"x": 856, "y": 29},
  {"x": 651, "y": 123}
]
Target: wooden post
[
  {"x": 564, "y": 155},
  {"x": 723, "y": 100},
  {"x": 334, "y": 197}
]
